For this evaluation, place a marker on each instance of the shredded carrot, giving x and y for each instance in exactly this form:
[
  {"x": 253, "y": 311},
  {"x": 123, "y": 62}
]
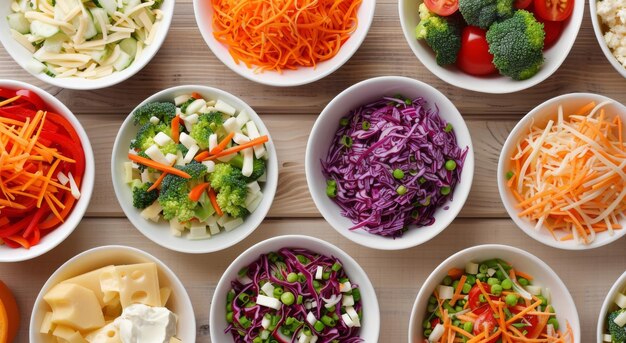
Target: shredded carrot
[
  {"x": 457, "y": 292},
  {"x": 283, "y": 34},
  {"x": 197, "y": 191},
  {"x": 222, "y": 145},
  {"x": 570, "y": 175},
  {"x": 213, "y": 199},
  {"x": 158, "y": 181},
  {"x": 159, "y": 166},
  {"x": 524, "y": 275},
  {"x": 202, "y": 156},
  {"x": 226, "y": 152},
  {"x": 176, "y": 129}
]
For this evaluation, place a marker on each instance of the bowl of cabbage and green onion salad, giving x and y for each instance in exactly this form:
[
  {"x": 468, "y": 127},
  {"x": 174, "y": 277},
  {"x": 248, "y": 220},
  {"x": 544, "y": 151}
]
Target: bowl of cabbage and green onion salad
[
  {"x": 194, "y": 169},
  {"x": 494, "y": 293},
  {"x": 612, "y": 318},
  {"x": 294, "y": 289}
]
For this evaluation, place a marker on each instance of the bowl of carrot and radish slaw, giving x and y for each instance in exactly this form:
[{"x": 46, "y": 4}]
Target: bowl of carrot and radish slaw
[
  {"x": 560, "y": 173},
  {"x": 46, "y": 171}
]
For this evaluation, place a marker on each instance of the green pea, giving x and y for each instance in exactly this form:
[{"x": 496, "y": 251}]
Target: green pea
[
  {"x": 496, "y": 289},
  {"x": 510, "y": 299},
  {"x": 493, "y": 281},
  {"x": 278, "y": 291},
  {"x": 292, "y": 277},
  {"x": 509, "y": 175},
  {"x": 401, "y": 190},
  {"x": 398, "y": 174},
  {"x": 471, "y": 280},
  {"x": 523, "y": 281},
  {"x": 287, "y": 298},
  {"x": 466, "y": 288},
  {"x": 445, "y": 190},
  {"x": 447, "y": 281},
  {"x": 468, "y": 326},
  {"x": 450, "y": 165},
  {"x": 229, "y": 307},
  {"x": 455, "y": 283},
  {"x": 554, "y": 322},
  {"x": 507, "y": 284}
]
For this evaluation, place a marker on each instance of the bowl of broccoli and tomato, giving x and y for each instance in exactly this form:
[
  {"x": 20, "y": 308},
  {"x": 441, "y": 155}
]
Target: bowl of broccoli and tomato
[
  {"x": 491, "y": 46},
  {"x": 612, "y": 320},
  {"x": 194, "y": 169}
]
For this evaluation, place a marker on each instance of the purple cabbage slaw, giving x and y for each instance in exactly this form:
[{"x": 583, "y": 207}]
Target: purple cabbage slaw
[
  {"x": 398, "y": 133},
  {"x": 274, "y": 268}
]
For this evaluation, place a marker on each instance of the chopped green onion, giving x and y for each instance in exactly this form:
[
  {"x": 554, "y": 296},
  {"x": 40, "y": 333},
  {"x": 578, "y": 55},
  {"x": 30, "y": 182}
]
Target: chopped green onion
[
  {"x": 343, "y": 122},
  {"x": 346, "y": 141},
  {"x": 331, "y": 188},
  {"x": 336, "y": 266},
  {"x": 366, "y": 125}
]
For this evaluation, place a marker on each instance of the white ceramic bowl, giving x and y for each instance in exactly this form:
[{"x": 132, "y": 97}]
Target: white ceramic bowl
[
  {"x": 324, "y": 130},
  {"x": 204, "y": 18},
  {"x": 597, "y": 29},
  {"x": 160, "y": 232},
  {"x": 496, "y": 84},
  {"x": 59, "y": 234},
  {"x": 23, "y": 57},
  {"x": 521, "y": 260},
  {"x": 370, "y": 325},
  {"x": 539, "y": 116},
  {"x": 609, "y": 305},
  {"x": 99, "y": 257}
]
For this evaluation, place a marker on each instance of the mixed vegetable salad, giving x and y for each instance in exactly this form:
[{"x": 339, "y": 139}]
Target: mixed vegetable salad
[
  {"x": 616, "y": 321},
  {"x": 84, "y": 38},
  {"x": 41, "y": 168},
  {"x": 294, "y": 295},
  {"x": 196, "y": 163},
  {"x": 483, "y": 37},
  {"x": 567, "y": 175},
  {"x": 392, "y": 164},
  {"x": 491, "y": 302}
]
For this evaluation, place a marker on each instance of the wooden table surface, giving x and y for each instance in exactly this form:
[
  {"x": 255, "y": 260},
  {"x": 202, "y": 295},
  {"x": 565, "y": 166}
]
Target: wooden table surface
[{"x": 289, "y": 114}]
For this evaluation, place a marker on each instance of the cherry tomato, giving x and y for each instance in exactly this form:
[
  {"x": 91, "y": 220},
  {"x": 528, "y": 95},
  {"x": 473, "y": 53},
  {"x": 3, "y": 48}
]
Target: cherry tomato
[
  {"x": 554, "y": 10},
  {"x": 485, "y": 321},
  {"x": 442, "y": 7},
  {"x": 473, "y": 297},
  {"x": 474, "y": 57},
  {"x": 532, "y": 329},
  {"x": 522, "y": 4},
  {"x": 553, "y": 30}
]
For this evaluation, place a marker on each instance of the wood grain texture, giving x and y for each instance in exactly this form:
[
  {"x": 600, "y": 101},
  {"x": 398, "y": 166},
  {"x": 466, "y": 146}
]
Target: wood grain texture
[
  {"x": 397, "y": 275},
  {"x": 185, "y": 59},
  {"x": 290, "y": 135}
]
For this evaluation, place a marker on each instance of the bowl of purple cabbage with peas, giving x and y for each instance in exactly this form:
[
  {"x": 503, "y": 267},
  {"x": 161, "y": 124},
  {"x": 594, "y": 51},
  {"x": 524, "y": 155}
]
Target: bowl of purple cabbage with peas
[
  {"x": 294, "y": 289},
  {"x": 389, "y": 163}
]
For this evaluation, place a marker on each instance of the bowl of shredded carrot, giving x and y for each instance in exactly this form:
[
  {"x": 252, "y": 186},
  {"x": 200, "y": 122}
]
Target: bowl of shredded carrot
[
  {"x": 561, "y": 172},
  {"x": 46, "y": 171},
  {"x": 281, "y": 42},
  {"x": 541, "y": 298}
]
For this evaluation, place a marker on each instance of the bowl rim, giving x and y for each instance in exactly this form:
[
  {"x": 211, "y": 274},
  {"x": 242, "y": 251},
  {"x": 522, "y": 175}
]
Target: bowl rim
[
  {"x": 503, "y": 89},
  {"x": 494, "y": 247},
  {"x": 285, "y": 241},
  {"x": 370, "y": 240},
  {"x": 110, "y": 80},
  {"x": 597, "y": 30},
  {"x": 87, "y": 186},
  {"x": 503, "y": 191},
  {"x": 227, "y": 60},
  {"x": 268, "y": 194},
  {"x": 619, "y": 284},
  {"x": 173, "y": 278}
]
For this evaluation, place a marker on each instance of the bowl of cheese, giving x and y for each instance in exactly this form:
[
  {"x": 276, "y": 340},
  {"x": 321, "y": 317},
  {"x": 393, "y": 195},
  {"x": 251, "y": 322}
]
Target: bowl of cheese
[{"x": 113, "y": 294}]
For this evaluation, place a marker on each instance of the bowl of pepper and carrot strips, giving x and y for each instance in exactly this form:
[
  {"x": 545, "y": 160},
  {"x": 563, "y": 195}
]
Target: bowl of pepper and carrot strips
[
  {"x": 46, "y": 171},
  {"x": 194, "y": 169},
  {"x": 561, "y": 172},
  {"x": 494, "y": 293}
]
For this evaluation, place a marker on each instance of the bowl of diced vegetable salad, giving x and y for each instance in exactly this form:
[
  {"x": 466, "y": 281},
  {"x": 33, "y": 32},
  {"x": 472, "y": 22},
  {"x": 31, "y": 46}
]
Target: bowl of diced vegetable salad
[
  {"x": 573, "y": 199},
  {"x": 612, "y": 318},
  {"x": 389, "y": 163},
  {"x": 84, "y": 45},
  {"x": 47, "y": 175},
  {"x": 488, "y": 292},
  {"x": 194, "y": 169},
  {"x": 294, "y": 289}
]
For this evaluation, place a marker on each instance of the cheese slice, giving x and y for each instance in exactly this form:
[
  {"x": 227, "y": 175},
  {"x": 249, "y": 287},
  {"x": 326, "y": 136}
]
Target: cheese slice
[
  {"x": 139, "y": 284},
  {"x": 66, "y": 334},
  {"x": 74, "y": 306},
  {"x": 94, "y": 281},
  {"x": 107, "y": 334},
  {"x": 165, "y": 292}
]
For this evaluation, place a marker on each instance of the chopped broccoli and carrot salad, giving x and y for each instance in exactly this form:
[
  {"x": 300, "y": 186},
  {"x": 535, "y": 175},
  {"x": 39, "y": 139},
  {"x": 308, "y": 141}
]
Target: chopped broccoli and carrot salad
[
  {"x": 490, "y": 302},
  {"x": 196, "y": 163},
  {"x": 567, "y": 176},
  {"x": 615, "y": 325}
]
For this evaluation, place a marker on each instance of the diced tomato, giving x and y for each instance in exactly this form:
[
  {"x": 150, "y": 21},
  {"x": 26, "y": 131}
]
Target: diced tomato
[
  {"x": 442, "y": 7},
  {"x": 554, "y": 10}
]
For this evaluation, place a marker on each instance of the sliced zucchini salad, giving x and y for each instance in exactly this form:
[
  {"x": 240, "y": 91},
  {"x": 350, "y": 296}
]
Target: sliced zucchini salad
[
  {"x": 196, "y": 163},
  {"x": 84, "y": 38}
]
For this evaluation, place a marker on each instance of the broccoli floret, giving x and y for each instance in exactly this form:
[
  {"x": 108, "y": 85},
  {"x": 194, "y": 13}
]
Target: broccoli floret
[
  {"x": 170, "y": 148},
  {"x": 231, "y": 187},
  {"x": 618, "y": 333},
  {"x": 143, "y": 198},
  {"x": 207, "y": 124},
  {"x": 174, "y": 196},
  {"x": 483, "y": 13},
  {"x": 517, "y": 45},
  {"x": 144, "y": 155},
  {"x": 258, "y": 167},
  {"x": 145, "y": 135},
  {"x": 165, "y": 111},
  {"x": 443, "y": 35},
  {"x": 182, "y": 148}
]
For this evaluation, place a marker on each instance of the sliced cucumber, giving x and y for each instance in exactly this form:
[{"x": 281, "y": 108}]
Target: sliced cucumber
[
  {"x": 41, "y": 29},
  {"x": 109, "y": 5},
  {"x": 101, "y": 55},
  {"x": 123, "y": 61},
  {"x": 54, "y": 43},
  {"x": 92, "y": 29},
  {"x": 129, "y": 46},
  {"x": 100, "y": 17},
  {"x": 35, "y": 66},
  {"x": 19, "y": 23}
]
